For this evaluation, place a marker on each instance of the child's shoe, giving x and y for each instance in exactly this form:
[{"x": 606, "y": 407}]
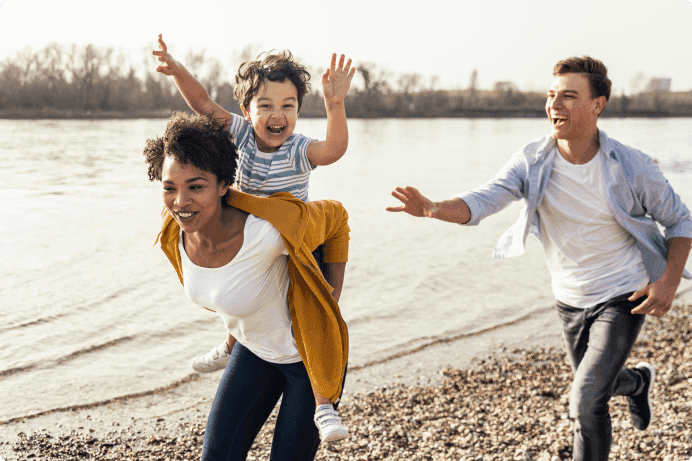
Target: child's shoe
[
  {"x": 214, "y": 360},
  {"x": 328, "y": 422}
]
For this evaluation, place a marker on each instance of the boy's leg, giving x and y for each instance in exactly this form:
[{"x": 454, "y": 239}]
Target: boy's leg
[
  {"x": 598, "y": 341},
  {"x": 246, "y": 396},
  {"x": 216, "y": 359},
  {"x": 296, "y": 437}
]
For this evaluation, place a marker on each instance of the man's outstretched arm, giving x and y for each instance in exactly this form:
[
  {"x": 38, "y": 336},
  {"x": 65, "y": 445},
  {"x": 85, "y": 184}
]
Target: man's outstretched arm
[{"x": 454, "y": 210}]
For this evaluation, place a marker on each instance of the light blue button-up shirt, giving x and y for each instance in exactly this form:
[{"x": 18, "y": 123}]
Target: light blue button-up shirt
[{"x": 639, "y": 196}]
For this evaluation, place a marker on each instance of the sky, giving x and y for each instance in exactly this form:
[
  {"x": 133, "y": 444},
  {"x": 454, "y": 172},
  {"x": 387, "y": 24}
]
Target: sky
[{"x": 504, "y": 40}]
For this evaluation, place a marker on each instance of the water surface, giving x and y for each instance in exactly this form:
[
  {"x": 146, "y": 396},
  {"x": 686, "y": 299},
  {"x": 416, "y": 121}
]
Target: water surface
[{"x": 90, "y": 310}]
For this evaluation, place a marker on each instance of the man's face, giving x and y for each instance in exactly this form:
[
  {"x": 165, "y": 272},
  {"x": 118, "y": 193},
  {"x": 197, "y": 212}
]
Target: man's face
[{"x": 571, "y": 108}]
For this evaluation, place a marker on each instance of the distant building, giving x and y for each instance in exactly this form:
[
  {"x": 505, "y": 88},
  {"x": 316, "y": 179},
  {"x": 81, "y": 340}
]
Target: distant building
[
  {"x": 659, "y": 85},
  {"x": 638, "y": 83},
  {"x": 505, "y": 87}
]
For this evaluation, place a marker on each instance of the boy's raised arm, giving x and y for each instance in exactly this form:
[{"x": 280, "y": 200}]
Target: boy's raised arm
[
  {"x": 192, "y": 90},
  {"x": 335, "y": 84}
]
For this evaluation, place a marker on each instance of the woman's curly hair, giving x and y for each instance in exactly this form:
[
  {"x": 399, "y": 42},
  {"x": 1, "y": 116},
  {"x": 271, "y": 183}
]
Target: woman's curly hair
[
  {"x": 273, "y": 67},
  {"x": 199, "y": 140}
]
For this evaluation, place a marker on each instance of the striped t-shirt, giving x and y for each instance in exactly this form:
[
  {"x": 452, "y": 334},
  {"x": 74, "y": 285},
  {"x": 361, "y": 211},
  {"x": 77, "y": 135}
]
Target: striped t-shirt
[{"x": 263, "y": 174}]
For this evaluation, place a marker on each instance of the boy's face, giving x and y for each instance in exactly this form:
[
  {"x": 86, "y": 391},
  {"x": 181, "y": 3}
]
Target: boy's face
[{"x": 273, "y": 113}]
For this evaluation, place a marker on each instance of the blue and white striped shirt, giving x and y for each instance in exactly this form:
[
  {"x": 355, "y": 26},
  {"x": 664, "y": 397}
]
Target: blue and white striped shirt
[{"x": 263, "y": 174}]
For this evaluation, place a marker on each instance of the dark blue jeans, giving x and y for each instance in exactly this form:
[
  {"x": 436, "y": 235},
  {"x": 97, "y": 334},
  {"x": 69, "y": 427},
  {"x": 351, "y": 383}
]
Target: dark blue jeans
[
  {"x": 598, "y": 341},
  {"x": 247, "y": 394}
]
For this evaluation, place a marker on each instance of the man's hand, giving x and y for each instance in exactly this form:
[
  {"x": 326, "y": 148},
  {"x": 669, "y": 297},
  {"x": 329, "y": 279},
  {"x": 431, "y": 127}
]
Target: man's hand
[
  {"x": 337, "y": 80},
  {"x": 660, "y": 296},
  {"x": 170, "y": 66},
  {"x": 414, "y": 202}
]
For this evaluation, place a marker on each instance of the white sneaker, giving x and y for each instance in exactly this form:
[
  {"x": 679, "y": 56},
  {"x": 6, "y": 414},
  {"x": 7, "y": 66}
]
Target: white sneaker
[
  {"x": 214, "y": 360},
  {"x": 328, "y": 422}
]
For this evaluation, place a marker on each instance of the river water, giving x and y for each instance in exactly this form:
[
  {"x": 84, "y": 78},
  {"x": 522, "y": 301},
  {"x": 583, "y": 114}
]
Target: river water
[{"x": 90, "y": 310}]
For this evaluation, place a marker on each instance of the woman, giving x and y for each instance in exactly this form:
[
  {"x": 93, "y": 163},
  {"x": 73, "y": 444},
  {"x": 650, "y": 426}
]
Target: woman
[{"x": 236, "y": 254}]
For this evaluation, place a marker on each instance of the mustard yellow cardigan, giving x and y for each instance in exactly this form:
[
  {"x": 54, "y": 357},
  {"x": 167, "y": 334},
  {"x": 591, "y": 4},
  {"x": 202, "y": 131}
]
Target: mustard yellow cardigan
[{"x": 319, "y": 330}]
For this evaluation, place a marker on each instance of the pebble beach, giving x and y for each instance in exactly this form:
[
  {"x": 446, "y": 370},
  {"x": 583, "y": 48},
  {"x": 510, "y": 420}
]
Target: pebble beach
[{"x": 504, "y": 404}]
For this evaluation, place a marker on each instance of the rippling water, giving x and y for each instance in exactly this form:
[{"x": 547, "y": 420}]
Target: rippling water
[{"x": 89, "y": 310}]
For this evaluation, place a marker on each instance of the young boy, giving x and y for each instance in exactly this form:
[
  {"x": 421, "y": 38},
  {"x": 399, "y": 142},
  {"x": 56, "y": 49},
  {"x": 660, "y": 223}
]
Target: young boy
[{"x": 272, "y": 158}]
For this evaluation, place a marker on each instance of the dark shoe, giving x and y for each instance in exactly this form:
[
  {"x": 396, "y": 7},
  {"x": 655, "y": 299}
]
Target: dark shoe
[{"x": 641, "y": 409}]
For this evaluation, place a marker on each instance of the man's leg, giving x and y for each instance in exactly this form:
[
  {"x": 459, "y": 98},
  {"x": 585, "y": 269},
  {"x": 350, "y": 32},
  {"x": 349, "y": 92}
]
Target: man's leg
[{"x": 598, "y": 341}]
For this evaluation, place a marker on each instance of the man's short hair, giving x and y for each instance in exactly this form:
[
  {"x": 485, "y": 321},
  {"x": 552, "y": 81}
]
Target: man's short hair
[
  {"x": 270, "y": 67},
  {"x": 594, "y": 69}
]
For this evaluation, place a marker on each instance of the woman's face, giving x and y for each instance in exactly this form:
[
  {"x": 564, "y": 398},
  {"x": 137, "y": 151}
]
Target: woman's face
[{"x": 193, "y": 196}]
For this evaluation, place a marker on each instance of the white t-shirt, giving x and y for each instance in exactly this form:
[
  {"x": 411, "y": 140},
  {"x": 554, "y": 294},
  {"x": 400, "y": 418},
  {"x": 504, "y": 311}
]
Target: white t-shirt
[
  {"x": 250, "y": 292},
  {"x": 591, "y": 258},
  {"x": 265, "y": 173}
]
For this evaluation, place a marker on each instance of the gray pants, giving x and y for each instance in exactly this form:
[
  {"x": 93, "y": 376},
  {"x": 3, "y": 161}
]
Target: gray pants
[{"x": 598, "y": 341}]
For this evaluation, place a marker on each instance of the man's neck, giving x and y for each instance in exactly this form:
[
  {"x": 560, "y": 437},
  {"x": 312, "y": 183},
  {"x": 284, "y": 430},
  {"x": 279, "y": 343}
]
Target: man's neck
[{"x": 579, "y": 151}]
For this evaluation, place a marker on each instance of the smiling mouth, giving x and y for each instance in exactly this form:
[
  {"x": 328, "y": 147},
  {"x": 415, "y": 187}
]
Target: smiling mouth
[
  {"x": 276, "y": 129},
  {"x": 557, "y": 121},
  {"x": 185, "y": 215}
]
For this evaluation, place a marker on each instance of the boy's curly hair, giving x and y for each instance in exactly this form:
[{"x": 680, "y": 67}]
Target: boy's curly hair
[
  {"x": 273, "y": 67},
  {"x": 199, "y": 140}
]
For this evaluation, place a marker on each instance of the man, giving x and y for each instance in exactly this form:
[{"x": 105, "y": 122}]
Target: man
[{"x": 594, "y": 204}]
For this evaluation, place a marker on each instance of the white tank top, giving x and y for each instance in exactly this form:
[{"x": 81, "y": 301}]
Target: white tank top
[
  {"x": 591, "y": 257},
  {"x": 250, "y": 292}
]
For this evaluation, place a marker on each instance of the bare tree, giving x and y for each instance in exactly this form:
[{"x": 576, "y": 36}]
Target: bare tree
[
  {"x": 194, "y": 62},
  {"x": 212, "y": 79},
  {"x": 409, "y": 83},
  {"x": 53, "y": 64},
  {"x": 84, "y": 66},
  {"x": 248, "y": 53}
]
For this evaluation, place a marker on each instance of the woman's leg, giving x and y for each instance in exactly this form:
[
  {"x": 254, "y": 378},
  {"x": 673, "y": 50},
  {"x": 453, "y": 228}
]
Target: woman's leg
[
  {"x": 296, "y": 437},
  {"x": 247, "y": 394}
]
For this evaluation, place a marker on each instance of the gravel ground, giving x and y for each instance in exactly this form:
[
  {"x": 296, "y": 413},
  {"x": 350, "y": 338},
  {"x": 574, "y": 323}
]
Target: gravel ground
[{"x": 512, "y": 406}]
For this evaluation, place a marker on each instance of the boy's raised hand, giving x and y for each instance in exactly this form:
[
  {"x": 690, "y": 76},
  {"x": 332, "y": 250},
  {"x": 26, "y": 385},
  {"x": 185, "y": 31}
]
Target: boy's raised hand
[
  {"x": 337, "y": 80},
  {"x": 170, "y": 66}
]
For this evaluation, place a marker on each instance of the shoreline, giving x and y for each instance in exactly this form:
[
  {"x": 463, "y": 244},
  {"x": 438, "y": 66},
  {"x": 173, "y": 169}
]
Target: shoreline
[
  {"x": 415, "y": 384},
  {"x": 63, "y": 114}
]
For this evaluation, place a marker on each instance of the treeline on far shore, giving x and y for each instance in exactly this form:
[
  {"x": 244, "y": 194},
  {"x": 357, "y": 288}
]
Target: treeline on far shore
[{"x": 89, "y": 82}]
